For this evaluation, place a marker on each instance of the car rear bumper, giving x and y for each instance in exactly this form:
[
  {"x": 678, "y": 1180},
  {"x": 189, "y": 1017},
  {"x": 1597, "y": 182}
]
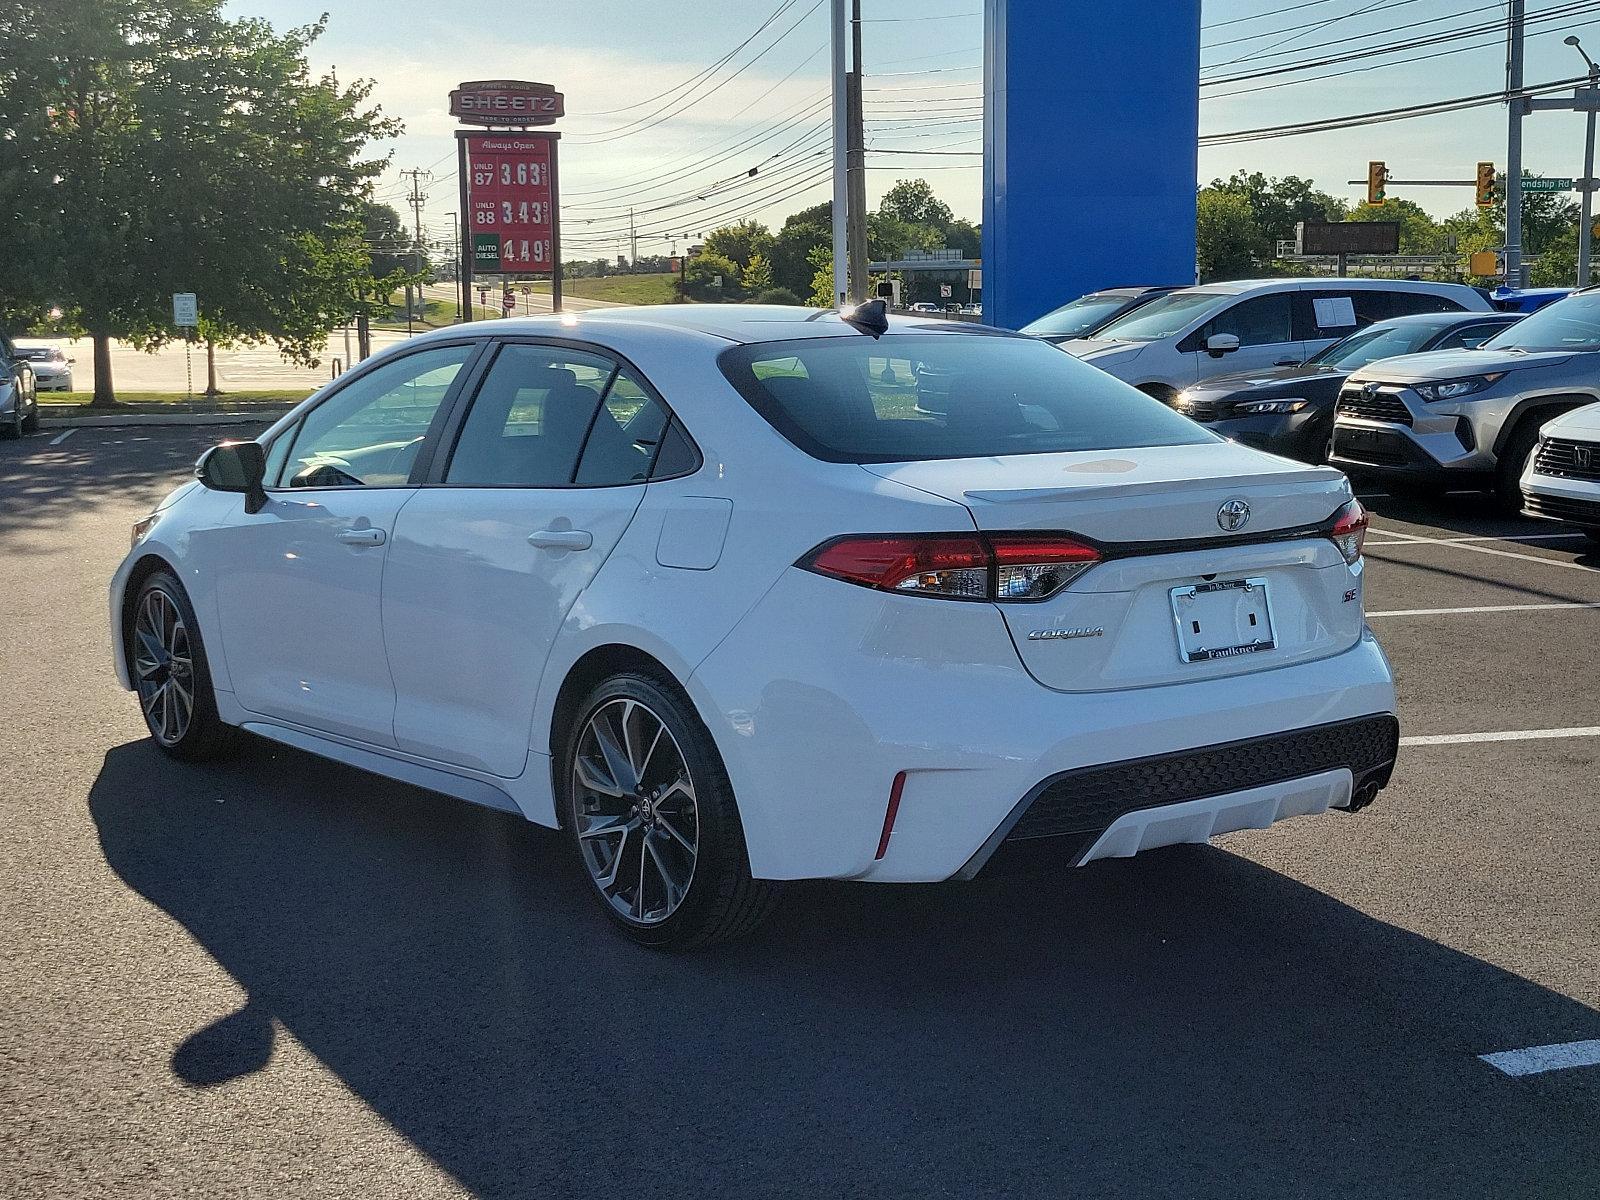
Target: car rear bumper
[{"x": 826, "y": 695}]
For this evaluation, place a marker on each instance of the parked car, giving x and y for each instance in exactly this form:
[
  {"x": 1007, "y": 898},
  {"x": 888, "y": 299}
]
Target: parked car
[
  {"x": 1526, "y": 300},
  {"x": 1289, "y": 410},
  {"x": 1187, "y": 336},
  {"x": 52, "y": 368},
  {"x": 926, "y": 306},
  {"x": 19, "y": 399},
  {"x": 1562, "y": 482},
  {"x": 699, "y": 585},
  {"x": 1471, "y": 418},
  {"x": 1080, "y": 318}
]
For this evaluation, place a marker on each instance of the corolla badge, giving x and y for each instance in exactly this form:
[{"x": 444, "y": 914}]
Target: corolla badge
[
  {"x": 1053, "y": 635},
  {"x": 1234, "y": 515}
]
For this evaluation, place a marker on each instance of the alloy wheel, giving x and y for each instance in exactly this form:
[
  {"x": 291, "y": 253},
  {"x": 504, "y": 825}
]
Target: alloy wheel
[
  {"x": 164, "y": 666},
  {"x": 638, "y": 823}
]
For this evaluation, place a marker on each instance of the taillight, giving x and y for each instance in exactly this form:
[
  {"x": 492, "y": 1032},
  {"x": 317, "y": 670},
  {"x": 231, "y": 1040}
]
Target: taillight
[
  {"x": 956, "y": 566},
  {"x": 1349, "y": 530}
]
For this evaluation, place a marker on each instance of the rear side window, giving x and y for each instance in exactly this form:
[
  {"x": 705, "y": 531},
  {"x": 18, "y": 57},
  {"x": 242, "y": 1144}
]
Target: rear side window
[
  {"x": 624, "y": 438},
  {"x": 1379, "y": 305},
  {"x": 530, "y": 417},
  {"x": 915, "y": 396}
]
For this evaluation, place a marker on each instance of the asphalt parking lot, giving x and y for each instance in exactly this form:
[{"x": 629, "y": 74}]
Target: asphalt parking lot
[{"x": 277, "y": 976}]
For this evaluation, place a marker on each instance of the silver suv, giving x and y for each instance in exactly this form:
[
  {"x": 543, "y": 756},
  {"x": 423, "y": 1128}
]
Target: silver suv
[{"x": 1470, "y": 418}]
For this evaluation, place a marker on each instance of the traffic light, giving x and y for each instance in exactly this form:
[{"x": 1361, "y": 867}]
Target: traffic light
[
  {"x": 1486, "y": 182},
  {"x": 1377, "y": 176}
]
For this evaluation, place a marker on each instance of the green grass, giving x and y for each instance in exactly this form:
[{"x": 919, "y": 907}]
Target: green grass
[{"x": 619, "y": 289}]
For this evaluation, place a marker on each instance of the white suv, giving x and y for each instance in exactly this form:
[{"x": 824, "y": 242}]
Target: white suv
[
  {"x": 1249, "y": 324},
  {"x": 1562, "y": 480}
]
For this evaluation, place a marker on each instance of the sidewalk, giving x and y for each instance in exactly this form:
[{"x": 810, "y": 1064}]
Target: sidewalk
[{"x": 197, "y": 412}]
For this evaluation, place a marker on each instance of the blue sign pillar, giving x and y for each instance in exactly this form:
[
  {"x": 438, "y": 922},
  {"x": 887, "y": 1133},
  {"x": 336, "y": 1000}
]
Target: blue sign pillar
[{"x": 1091, "y": 121}]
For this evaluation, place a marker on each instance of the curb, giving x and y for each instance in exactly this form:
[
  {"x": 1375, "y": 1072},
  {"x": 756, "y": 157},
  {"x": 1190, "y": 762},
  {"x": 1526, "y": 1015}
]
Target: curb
[{"x": 184, "y": 418}]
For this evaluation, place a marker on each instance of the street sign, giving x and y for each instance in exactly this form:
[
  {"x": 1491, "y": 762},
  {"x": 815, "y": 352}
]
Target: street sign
[
  {"x": 185, "y": 310},
  {"x": 506, "y": 102},
  {"x": 510, "y": 202},
  {"x": 1483, "y": 262},
  {"x": 944, "y": 291},
  {"x": 975, "y": 278},
  {"x": 1347, "y": 237},
  {"x": 508, "y": 301},
  {"x": 1531, "y": 184}
]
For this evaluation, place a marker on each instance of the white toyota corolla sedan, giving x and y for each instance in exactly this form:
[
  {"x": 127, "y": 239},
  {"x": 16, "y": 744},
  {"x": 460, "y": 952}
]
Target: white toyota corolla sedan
[{"x": 735, "y": 595}]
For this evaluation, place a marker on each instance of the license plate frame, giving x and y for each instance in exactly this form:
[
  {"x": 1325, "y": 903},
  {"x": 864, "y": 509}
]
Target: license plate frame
[{"x": 1205, "y": 612}]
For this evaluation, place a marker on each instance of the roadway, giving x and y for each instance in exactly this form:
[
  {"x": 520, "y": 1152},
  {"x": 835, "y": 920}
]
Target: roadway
[{"x": 277, "y": 976}]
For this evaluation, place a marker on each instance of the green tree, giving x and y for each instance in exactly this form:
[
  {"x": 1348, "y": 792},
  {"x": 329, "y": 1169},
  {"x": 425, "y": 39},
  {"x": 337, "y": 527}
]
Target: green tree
[
  {"x": 1278, "y": 205},
  {"x": 757, "y": 275},
  {"x": 802, "y": 233},
  {"x": 702, "y": 273},
  {"x": 821, "y": 289},
  {"x": 1226, "y": 236},
  {"x": 740, "y": 242},
  {"x": 913, "y": 201},
  {"x": 150, "y": 148}
]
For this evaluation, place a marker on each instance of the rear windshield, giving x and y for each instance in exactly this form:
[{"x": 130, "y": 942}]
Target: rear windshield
[{"x": 913, "y": 396}]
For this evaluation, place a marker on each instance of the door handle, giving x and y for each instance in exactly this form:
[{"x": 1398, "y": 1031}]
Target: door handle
[
  {"x": 361, "y": 537},
  {"x": 561, "y": 539}
]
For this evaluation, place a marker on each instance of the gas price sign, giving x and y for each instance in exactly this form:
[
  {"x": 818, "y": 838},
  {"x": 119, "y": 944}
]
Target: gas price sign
[{"x": 511, "y": 203}]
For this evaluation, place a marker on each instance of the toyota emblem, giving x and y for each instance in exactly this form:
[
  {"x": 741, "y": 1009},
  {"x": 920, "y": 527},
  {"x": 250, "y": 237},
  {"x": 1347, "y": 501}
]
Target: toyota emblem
[{"x": 1234, "y": 515}]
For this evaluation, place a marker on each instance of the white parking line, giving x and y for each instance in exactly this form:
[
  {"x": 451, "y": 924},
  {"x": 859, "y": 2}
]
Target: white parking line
[
  {"x": 1514, "y": 537},
  {"x": 63, "y": 436},
  {"x": 1510, "y": 735},
  {"x": 1537, "y": 1059},
  {"x": 1478, "y": 608},
  {"x": 1413, "y": 539}
]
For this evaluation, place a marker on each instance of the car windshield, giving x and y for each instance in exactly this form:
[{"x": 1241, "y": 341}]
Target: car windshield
[
  {"x": 1570, "y": 324},
  {"x": 1374, "y": 342},
  {"x": 1162, "y": 318},
  {"x": 907, "y": 397},
  {"x": 37, "y": 353},
  {"x": 1078, "y": 318}
]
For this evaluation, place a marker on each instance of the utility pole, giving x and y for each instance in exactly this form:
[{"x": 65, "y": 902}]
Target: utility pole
[
  {"x": 633, "y": 243},
  {"x": 856, "y": 212},
  {"x": 841, "y": 189},
  {"x": 1517, "y": 108},
  {"x": 416, "y": 200},
  {"x": 1586, "y": 228},
  {"x": 455, "y": 247}
]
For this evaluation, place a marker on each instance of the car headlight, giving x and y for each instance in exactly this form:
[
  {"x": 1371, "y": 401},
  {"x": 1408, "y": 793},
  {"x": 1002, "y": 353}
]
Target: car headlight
[
  {"x": 1290, "y": 405},
  {"x": 142, "y": 528},
  {"x": 1452, "y": 388}
]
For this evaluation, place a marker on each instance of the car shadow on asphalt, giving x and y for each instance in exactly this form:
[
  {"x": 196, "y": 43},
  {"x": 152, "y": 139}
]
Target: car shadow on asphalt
[{"x": 1184, "y": 1023}]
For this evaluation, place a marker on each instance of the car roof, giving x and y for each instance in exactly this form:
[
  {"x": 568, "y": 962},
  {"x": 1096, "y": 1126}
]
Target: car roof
[
  {"x": 1234, "y": 287},
  {"x": 738, "y": 323}
]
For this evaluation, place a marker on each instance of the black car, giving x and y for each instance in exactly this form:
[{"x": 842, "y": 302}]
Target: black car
[
  {"x": 1086, "y": 314},
  {"x": 1289, "y": 409}
]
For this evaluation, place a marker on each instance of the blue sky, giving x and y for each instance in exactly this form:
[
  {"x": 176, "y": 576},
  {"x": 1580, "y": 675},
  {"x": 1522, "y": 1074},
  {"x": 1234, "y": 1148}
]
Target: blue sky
[{"x": 924, "y": 76}]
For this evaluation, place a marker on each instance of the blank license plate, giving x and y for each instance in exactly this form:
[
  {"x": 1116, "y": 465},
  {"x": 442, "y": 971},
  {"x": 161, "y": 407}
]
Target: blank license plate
[{"x": 1223, "y": 619}]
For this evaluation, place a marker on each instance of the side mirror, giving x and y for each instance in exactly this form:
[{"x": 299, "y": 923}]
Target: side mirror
[
  {"x": 1219, "y": 344},
  {"x": 236, "y": 467}
]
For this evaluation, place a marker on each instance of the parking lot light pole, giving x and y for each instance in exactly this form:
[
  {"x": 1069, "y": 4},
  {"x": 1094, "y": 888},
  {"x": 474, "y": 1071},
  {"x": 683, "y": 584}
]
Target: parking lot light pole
[{"x": 1585, "y": 227}]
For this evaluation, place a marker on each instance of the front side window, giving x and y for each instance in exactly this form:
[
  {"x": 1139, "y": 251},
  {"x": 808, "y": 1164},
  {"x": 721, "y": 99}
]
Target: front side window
[
  {"x": 912, "y": 396},
  {"x": 1259, "y": 321},
  {"x": 370, "y": 432}
]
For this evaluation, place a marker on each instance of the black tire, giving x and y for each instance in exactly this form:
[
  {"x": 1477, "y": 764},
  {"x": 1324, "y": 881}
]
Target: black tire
[
  {"x": 30, "y": 423},
  {"x": 203, "y": 735},
  {"x": 1593, "y": 533},
  {"x": 1512, "y": 460},
  {"x": 721, "y": 900},
  {"x": 14, "y": 422}
]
